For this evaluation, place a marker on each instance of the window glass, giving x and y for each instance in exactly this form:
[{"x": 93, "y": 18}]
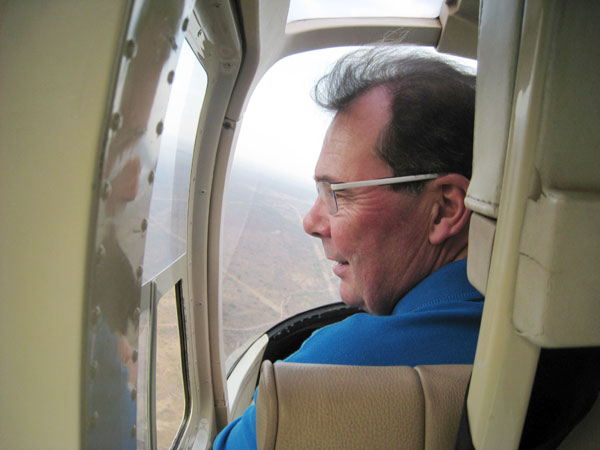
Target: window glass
[
  {"x": 170, "y": 390},
  {"x": 167, "y": 231},
  {"x": 271, "y": 269},
  {"x": 318, "y": 9}
]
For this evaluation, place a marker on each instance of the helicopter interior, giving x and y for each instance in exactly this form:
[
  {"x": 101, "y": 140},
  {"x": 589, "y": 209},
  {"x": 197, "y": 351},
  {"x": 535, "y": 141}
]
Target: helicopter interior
[{"x": 91, "y": 271}]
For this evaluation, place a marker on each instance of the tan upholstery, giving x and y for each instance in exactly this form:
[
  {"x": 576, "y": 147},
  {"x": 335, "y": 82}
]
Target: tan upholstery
[
  {"x": 313, "y": 406},
  {"x": 482, "y": 231},
  {"x": 497, "y": 61}
]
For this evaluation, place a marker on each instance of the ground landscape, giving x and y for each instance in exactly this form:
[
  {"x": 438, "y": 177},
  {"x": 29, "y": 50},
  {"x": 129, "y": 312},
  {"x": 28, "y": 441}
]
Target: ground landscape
[{"x": 271, "y": 268}]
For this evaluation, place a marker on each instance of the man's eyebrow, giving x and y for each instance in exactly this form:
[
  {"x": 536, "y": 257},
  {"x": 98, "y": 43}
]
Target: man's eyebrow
[{"x": 326, "y": 178}]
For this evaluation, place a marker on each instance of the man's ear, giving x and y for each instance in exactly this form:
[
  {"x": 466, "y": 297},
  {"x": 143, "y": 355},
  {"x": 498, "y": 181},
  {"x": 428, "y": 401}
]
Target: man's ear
[{"x": 451, "y": 216}]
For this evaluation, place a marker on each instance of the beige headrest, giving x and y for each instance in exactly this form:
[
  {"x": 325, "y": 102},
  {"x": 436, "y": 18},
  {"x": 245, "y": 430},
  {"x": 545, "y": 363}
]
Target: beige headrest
[{"x": 313, "y": 406}]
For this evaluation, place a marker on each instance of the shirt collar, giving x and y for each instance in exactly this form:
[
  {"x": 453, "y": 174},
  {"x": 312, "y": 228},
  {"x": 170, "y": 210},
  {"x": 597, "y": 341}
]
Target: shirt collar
[{"x": 448, "y": 283}]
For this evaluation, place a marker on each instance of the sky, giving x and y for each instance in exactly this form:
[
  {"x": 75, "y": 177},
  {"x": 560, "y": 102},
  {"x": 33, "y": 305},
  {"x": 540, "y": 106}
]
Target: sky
[{"x": 282, "y": 128}]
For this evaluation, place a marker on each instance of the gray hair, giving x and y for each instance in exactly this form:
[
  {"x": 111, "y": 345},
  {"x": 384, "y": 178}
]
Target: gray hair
[{"x": 432, "y": 106}]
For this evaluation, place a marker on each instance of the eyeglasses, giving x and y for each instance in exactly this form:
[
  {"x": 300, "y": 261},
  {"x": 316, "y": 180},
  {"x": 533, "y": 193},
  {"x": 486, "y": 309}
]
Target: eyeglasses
[{"x": 327, "y": 190}]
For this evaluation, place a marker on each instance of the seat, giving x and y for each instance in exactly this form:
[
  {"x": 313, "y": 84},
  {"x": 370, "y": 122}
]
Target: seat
[{"x": 307, "y": 406}]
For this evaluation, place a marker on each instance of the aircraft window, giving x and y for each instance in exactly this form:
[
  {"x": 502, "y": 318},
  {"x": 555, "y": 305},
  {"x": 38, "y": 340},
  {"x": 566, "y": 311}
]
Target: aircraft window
[
  {"x": 167, "y": 231},
  {"x": 271, "y": 269},
  {"x": 310, "y": 9},
  {"x": 170, "y": 399}
]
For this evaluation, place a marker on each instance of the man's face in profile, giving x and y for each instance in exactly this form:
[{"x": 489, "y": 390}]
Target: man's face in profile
[{"x": 378, "y": 238}]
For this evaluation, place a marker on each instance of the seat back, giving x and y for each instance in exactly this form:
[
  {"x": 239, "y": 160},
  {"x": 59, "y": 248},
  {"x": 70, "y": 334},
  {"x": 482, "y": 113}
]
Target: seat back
[{"x": 330, "y": 406}]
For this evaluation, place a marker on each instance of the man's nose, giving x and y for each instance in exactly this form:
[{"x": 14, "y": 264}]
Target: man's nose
[{"x": 316, "y": 221}]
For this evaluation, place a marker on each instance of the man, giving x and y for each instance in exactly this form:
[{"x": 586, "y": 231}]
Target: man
[{"x": 392, "y": 177}]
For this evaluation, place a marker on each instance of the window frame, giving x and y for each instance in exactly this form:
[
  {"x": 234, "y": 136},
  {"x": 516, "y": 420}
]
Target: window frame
[{"x": 152, "y": 292}]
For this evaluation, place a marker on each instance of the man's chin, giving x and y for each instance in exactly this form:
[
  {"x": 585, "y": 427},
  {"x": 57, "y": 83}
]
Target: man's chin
[{"x": 350, "y": 298}]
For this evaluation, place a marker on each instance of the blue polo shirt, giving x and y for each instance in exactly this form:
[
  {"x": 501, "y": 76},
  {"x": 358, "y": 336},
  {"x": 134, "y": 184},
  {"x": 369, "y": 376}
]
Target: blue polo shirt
[{"x": 437, "y": 322}]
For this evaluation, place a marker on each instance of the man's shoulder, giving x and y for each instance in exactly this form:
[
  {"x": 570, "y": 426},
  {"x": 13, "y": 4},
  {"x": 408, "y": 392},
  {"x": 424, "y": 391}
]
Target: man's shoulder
[
  {"x": 348, "y": 328},
  {"x": 402, "y": 339},
  {"x": 339, "y": 343}
]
